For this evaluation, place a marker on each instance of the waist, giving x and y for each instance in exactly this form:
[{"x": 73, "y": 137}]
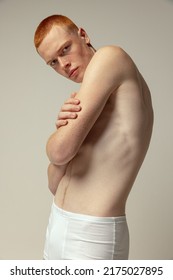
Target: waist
[
  {"x": 86, "y": 217},
  {"x": 106, "y": 201}
]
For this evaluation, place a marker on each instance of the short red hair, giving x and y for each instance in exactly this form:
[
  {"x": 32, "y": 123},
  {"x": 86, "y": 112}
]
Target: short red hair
[{"x": 45, "y": 26}]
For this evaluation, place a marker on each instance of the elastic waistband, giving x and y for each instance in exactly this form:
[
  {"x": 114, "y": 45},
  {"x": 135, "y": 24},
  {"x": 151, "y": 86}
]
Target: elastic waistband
[{"x": 83, "y": 217}]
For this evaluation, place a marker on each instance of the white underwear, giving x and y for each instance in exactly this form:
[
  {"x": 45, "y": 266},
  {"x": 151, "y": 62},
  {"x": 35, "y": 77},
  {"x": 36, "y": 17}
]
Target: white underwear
[{"x": 72, "y": 236}]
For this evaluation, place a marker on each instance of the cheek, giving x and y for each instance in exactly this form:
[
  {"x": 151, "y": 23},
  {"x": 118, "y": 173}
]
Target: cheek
[{"x": 80, "y": 54}]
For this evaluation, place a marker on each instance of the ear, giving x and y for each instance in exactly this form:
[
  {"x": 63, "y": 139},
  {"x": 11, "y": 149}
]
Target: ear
[{"x": 82, "y": 33}]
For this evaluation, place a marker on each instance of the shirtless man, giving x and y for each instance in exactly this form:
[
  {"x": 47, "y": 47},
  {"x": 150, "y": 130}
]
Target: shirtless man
[{"x": 102, "y": 138}]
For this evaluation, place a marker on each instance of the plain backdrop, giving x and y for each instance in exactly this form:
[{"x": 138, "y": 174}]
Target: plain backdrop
[{"x": 30, "y": 98}]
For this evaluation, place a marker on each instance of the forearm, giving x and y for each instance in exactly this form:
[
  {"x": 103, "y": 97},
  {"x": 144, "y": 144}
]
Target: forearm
[
  {"x": 55, "y": 174},
  {"x": 55, "y": 146}
]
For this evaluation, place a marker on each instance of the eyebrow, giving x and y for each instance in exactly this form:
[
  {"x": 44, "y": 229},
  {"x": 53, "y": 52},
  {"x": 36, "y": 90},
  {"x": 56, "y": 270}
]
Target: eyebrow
[{"x": 58, "y": 51}]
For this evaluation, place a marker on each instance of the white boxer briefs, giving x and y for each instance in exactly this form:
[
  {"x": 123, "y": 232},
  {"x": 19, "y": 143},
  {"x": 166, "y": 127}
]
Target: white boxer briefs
[{"x": 72, "y": 236}]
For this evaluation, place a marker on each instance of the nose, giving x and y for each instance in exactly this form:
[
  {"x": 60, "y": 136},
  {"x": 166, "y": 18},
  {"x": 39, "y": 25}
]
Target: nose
[{"x": 64, "y": 63}]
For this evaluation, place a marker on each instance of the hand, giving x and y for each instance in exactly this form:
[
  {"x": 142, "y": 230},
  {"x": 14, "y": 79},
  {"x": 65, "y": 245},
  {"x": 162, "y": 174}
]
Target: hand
[{"x": 68, "y": 111}]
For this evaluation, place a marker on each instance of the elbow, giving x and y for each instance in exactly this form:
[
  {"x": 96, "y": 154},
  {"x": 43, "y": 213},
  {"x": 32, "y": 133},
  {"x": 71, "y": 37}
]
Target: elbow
[{"x": 58, "y": 155}]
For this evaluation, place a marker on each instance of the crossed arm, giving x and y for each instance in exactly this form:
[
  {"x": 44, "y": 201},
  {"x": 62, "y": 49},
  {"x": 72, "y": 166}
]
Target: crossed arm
[
  {"x": 68, "y": 111},
  {"x": 104, "y": 74}
]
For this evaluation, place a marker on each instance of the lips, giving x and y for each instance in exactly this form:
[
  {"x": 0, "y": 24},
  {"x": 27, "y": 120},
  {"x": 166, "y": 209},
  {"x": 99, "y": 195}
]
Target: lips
[{"x": 72, "y": 73}]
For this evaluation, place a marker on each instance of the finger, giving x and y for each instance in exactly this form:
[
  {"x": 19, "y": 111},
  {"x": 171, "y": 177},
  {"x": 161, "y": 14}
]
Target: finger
[
  {"x": 70, "y": 108},
  {"x": 74, "y": 101},
  {"x": 60, "y": 123},
  {"x": 73, "y": 94},
  {"x": 66, "y": 115}
]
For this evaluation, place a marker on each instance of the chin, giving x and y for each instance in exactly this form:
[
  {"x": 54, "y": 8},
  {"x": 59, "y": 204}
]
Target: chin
[
  {"x": 77, "y": 79},
  {"x": 80, "y": 78}
]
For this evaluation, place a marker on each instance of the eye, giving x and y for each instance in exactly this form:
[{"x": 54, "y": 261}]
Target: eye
[
  {"x": 54, "y": 63},
  {"x": 65, "y": 49}
]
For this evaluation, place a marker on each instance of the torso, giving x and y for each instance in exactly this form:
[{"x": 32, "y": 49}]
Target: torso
[{"x": 99, "y": 178}]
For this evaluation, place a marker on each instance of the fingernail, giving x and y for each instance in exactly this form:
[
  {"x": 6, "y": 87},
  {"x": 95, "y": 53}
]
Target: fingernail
[
  {"x": 78, "y": 108},
  {"x": 73, "y": 115}
]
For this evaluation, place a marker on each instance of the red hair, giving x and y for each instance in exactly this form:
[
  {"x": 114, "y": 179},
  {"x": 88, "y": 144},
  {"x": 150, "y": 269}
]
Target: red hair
[{"x": 45, "y": 26}]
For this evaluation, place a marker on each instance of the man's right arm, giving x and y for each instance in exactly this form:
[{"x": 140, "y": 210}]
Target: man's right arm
[{"x": 55, "y": 174}]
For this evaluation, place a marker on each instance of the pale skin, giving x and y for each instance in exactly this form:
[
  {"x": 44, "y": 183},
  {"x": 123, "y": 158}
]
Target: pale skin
[
  {"x": 95, "y": 154},
  {"x": 68, "y": 111}
]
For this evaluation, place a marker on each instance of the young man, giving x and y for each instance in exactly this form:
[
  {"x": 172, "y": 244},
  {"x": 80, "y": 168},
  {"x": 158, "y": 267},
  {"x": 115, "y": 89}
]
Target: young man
[{"x": 103, "y": 135}]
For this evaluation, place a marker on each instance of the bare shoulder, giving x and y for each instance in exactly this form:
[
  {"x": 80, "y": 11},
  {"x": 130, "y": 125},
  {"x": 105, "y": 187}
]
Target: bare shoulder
[
  {"x": 111, "y": 49},
  {"x": 114, "y": 58},
  {"x": 111, "y": 62},
  {"x": 114, "y": 53}
]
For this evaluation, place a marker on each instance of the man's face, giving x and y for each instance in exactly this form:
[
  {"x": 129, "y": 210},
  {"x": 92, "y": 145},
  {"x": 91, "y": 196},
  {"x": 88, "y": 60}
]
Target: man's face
[{"x": 67, "y": 53}]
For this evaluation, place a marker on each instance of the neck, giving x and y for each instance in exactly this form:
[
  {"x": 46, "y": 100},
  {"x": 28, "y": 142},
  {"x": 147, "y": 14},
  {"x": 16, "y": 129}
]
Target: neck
[{"x": 92, "y": 48}]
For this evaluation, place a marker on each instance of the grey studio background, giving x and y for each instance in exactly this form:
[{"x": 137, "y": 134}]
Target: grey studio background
[{"x": 30, "y": 98}]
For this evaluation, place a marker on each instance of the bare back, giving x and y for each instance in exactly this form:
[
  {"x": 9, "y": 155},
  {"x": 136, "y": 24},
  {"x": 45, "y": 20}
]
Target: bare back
[{"x": 99, "y": 178}]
